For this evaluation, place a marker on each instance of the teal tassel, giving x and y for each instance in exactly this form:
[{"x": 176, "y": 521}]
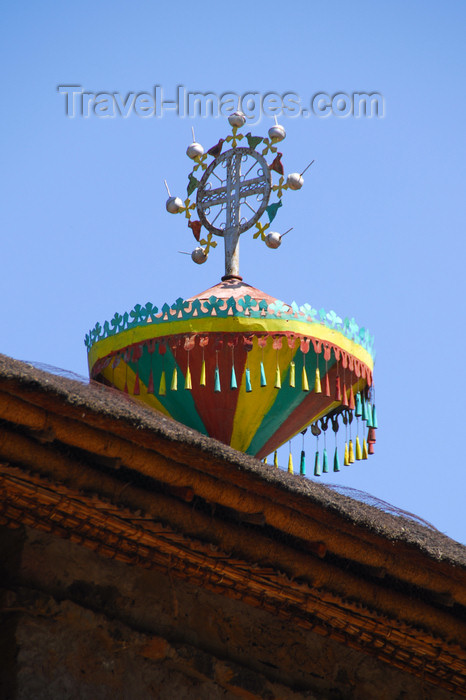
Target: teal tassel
[
  {"x": 358, "y": 410},
  {"x": 248, "y": 380},
  {"x": 374, "y": 418},
  {"x": 325, "y": 461},
  {"x": 233, "y": 383},
  {"x": 317, "y": 464},
  {"x": 302, "y": 465},
  {"x": 217, "y": 380},
  {"x": 364, "y": 408},
  {"x": 263, "y": 379},
  {"x": 369, "y": 415},
  {"x": 336, "y": 461}
]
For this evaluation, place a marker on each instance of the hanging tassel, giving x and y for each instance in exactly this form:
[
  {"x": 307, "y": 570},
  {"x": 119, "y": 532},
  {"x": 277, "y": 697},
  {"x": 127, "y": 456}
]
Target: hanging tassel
[
  {"x": 248, "y": 380},
  {"x": 351, "y": 452},
  {"x": 275, "y": 459},
  {"x": 202, "y": 381},
  {"x": 150, "y": 385},
  {"x": 278, "y": 379},
  {"x": 363, "y": 407},
  {"x": 187, "y": 380},
  {"x": 351, "y": 404},
  {"x": 174, "y": 384},
  {"x": 263, "y": 379},
  {"x": 344, "y": 397},
  {"x": 359, "y": 410},
  {"x": 336, "y": 461},
  {"x": 337, "y": 388},
  {"x": 358, "y": 448},
  {"x": 317, "y": 464},
  {"x": 364, "y": 449},
  {"x": 136, "y": 389},
  {"x": 290, "y": 464},
  {"x": 317, "y": 384},
  {"x": 346, "y": 457},
  {"x": 302, "y": 463},
  {"x": 163, "y": 384},
  {"x": 292, "y": 374},
  {"x": 304, "y": 382},
  {"x": 369, "y": 414},
  {"x": 265, "y": 460},
  {"x": 233, "y": 382},
  {"x": 374, "y": 417},
  {"x": 327, "y": 385},
  {"x": 325, "y": 462},
  {"x": 217, "y": 386}
]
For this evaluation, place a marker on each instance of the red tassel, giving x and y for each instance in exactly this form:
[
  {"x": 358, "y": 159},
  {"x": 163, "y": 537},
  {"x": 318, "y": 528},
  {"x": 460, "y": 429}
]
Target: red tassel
[
  {"x": 337, "y": 389},
  {"x": 370, "y": 448},
  {"x": 371, "y": 436},
  {"x": 344, "y": 398},
  {"x": 150, "y": 386},
  {"x": 327, "y": 386},
  {"x": 136, "y": 390},
  {"x": 351, "y": 404}
]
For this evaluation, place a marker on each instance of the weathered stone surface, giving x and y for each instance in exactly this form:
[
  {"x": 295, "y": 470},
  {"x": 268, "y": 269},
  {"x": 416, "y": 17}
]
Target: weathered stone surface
[{"x": 81, "y": 626}]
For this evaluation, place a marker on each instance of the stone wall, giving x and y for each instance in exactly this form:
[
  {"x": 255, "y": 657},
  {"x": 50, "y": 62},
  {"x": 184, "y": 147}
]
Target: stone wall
[{"x": 76, "y": 625}]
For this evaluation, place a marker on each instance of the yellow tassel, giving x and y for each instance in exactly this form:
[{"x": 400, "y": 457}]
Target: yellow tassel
[
  {"x": 278, "y": 379},
  {"x": 304, "y": 382},
  {"x": 290, "y": 464},
  {"x": 265, "y": 460},
  {"x": 358, "y": 448},
  {"x": 187, "y": 381},
  {"x": 275, "y": 459},
  {"x": 351, "y": 452},
  {"x": 346, "y": 459},
  {"x": 174, "y": 384},
  {"x": 163, "y": 384},
  {"x": 317, "y": 385},
  {"x": 365, "y": 453},
  {"x": 292, "y": 375},
  {"x": 202, "y": 381}
]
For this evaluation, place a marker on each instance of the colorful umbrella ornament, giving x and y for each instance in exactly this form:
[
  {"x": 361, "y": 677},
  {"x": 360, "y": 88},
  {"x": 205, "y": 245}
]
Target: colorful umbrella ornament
[{"x": 233, "y": 362}]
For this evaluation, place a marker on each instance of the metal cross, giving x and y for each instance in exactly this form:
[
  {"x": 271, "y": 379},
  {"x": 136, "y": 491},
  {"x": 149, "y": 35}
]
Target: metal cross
[{"x": 229, "y": 197}]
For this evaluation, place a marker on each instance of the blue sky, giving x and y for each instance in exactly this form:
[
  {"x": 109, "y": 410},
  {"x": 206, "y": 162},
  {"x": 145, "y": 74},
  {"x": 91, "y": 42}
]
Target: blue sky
[{"x": 378, "y": 227}]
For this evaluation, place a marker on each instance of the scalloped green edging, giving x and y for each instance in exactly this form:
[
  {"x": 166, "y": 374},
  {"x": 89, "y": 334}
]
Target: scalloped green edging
[{"x": 246, "y": 307}]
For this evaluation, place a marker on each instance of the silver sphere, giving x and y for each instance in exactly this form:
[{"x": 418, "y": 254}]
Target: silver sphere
[
  {"x": 277, "y": 133},
  {"x": 174, "y": 205},
  {"x": 237, "y": 119},
  {"x": 273, "y": 240},
  {"x": 194, "y": 150},
  {"x": 199, "y": 255},
  {"x": 294, "y": 181}
]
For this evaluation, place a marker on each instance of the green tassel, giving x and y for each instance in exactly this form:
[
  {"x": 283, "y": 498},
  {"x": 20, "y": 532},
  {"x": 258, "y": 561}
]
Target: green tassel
[
  {"x": 263, "y": 379},
  {"x": 358, "y": 410},
  {"x": 363, "y": 408},
  {"x": 302, "y": 464},
  {"x": 217, "y": 386},
  {"x": 292, "y": 374},
  {"x": 163, "y": 384},
  {"x": 369, "y": 415},
  {"x": 325, "y": 461},
  {"x": 317, "y": 465},
  {"x": 374, "y": 418},
  {"x": 336, "y": 461},
  {"x": 174, "y": 384},
  {"x": 278, "y": 379},
  {"x": 290, "y": 464},
  {"x": 275, "y": 459},
  {"x": 248, "y": 380},
  {"x": 233, "y": 383}
]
